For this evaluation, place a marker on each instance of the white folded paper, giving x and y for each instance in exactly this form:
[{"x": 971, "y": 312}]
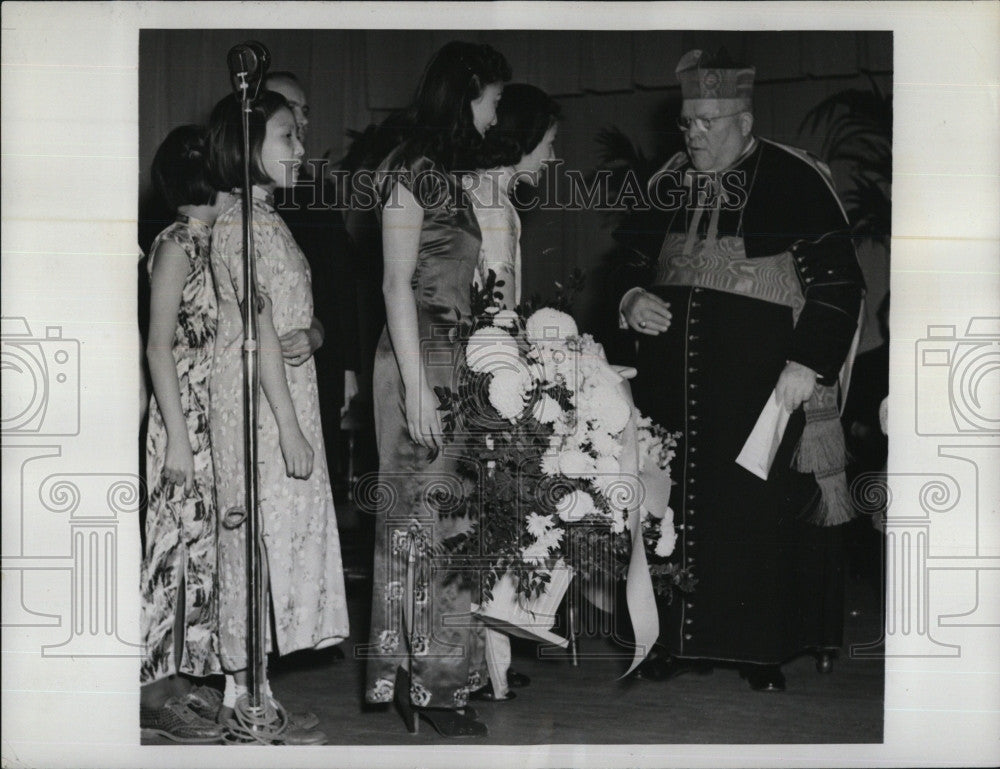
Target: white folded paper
[
  {"x": 625, "y": 372},
  {"x": 758, "y": 452}
]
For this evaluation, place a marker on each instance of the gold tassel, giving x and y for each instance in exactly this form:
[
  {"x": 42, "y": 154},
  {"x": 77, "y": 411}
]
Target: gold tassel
[{"x": 822, "y": 452}]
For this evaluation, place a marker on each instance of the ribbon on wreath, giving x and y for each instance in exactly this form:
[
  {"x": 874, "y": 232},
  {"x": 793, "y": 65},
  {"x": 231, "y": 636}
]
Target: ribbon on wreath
[
  {"x": 639, "y": 595},
  {"x": 650, "y": 491}
]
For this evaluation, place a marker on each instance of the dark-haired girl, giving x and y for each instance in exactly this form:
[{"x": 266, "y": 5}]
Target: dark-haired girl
[
  {"x": 419, "y": 651},
  {"x": 514, "y": 151},
  {"x": 301, "y": 544},
  {"x": 179, "y": 588}
]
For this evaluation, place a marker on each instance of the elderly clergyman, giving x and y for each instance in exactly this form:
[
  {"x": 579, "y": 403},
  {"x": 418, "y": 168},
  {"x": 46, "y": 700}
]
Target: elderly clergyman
[{"x": 744, "y": 286}]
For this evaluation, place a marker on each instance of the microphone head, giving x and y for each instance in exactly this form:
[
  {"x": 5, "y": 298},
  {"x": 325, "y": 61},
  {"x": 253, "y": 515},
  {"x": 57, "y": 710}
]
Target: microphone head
[
  {"x": 263, "y": 55},
  {"x": 248, "y": 62}
]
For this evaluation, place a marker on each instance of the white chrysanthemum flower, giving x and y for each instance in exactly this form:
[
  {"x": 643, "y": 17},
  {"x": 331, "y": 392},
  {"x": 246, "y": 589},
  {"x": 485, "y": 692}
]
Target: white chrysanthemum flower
[
  {"x": 538, "y": 524},
  {"x": 617, "y": 521},
  {"x": 604, "y": 444},
  {"x": 535, "y": 553},
  {"x": 551, "y": 538},
  {"x": 547, "y": 326},
  {"x": 608, "y": 466},
  {"x": 547, "y": 410},
  {"x": 668, "y": 538},
  {"x": 505, "y": 319},
  {"x": 607, "y": 407},
  {"x": 608, "y": 473},
  {"x": 575, "y": 506},
  {"x": 490, "y": 349},
  {"x": 558, "y": 362},
  {"x": 507, "y": 393},
  {"x": 550, "y": 463},
  {"x": 564, "y": 426},
  {"x": 576, "y": 464}
]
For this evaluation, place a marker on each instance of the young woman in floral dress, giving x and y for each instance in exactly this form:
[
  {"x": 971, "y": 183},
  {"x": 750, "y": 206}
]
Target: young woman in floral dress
[
  {"x": 178, "y": 580},
  {"x": 431, "y": 246},
  {"x": 299, "y": 531}
]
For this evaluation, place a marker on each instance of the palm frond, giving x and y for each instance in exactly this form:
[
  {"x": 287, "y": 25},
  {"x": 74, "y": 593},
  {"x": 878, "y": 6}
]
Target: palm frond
[{"x": 858, "y": 126}]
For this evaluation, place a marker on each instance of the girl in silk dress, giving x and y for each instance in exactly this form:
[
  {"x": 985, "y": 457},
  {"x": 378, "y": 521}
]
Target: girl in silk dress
[
  {"x": 431, "y": 246},
  {"x": 514, "y": 151},
  {"x": 301, "y": 543},
  {"x": 179, "y": 587}
]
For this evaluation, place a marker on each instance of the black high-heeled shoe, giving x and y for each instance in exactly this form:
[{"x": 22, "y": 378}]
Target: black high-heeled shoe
[
  {"x": 452, "y": 723},
  {"x": 447, "y": 723},
  {"x": 401, "y": 696}
]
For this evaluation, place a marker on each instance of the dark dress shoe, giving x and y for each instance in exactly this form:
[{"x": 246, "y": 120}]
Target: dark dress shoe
[
  {"x": 664, "y": 668},
  {"x": 653, "y": 669},
  {"x": 205, "y": 701},
  {"x": 177, "y": 722},
  {"x": 487, "y": 694},
  {"x": 451, "y": 723},
  {"x": 517, "y": 680},
  {"x": 765, "y": 678}
]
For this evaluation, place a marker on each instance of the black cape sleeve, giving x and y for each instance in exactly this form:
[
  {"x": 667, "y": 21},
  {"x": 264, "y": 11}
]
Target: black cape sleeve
[{"x": 792, "y": 207}]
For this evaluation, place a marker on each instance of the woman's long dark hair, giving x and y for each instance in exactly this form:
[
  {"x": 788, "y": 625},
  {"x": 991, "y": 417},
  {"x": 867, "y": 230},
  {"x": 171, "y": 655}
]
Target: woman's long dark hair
[
  {"x": 439, "y": 123},
  {"x": 524, "y": 115}
]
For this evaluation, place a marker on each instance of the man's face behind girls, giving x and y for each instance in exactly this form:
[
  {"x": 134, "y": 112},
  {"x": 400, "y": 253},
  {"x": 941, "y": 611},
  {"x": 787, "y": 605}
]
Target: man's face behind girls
[{"x": 281, "y": 151}]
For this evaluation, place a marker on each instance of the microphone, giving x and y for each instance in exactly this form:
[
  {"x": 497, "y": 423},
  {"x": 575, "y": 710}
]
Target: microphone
[{"x": 248, "y": 63}]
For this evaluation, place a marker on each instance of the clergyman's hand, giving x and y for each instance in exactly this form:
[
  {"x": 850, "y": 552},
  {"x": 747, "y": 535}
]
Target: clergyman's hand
[
  {"x": 795, "y": 385},
  {"x": 647, "y": 313}
]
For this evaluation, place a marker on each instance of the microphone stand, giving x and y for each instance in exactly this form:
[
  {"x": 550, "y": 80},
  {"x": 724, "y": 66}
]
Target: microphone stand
[
  {"x": 247, "y": 70},
  {"x": 251, "y": 397}
]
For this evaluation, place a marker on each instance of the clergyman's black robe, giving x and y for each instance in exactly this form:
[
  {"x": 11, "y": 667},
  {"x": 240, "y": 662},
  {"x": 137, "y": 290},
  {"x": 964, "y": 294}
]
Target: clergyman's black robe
[{"x": 769, "y": 584}]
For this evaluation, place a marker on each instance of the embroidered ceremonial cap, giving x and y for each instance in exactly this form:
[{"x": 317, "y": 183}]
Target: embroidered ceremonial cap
[{"x": 704, "y": 76}]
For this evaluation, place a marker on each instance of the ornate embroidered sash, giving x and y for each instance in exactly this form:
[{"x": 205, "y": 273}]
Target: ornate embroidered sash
[{"x": 722, "y": 264}]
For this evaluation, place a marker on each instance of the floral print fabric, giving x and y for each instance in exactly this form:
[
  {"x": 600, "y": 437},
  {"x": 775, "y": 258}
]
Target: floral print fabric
[
  {"x": 178, "y": 571},
  {"x": 301, "y": 543}
]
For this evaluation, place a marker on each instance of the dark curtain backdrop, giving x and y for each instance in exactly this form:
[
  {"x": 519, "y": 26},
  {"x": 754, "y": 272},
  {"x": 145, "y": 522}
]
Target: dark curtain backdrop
[{"x": 601, "y": 79}]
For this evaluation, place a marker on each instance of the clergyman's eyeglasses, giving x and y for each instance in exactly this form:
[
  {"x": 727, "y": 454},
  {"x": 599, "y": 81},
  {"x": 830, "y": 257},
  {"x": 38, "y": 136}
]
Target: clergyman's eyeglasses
[{"x": 702, "y": 123}]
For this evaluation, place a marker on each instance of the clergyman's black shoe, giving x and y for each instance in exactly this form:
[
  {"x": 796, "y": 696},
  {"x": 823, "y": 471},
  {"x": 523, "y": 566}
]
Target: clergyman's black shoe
[
  {"x": 664, "y": 668},
  {"x": 764, "y": 678},
  {"x": 517, "y": 680}
]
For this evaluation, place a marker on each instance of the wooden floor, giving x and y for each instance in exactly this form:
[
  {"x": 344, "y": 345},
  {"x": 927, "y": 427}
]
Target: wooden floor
[{"x": 586, "y": 704}]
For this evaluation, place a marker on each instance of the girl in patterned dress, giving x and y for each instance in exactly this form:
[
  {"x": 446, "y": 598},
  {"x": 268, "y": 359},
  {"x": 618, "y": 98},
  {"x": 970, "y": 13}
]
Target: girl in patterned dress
[
  {"x": 179, "y": 628},
  {"x": 301, "y": 547},
  {"x": 421, "y": 650}
]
